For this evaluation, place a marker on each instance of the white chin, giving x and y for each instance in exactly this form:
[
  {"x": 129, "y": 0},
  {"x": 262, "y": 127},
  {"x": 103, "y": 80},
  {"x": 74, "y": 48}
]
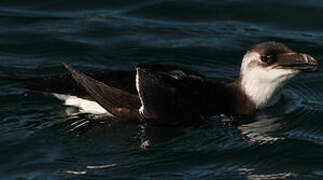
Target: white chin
[{"x": 264, "y": 85}]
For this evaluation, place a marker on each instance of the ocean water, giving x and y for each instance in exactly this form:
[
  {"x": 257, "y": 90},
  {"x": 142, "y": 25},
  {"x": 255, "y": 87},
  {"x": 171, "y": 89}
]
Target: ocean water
[{"x": 40, "y": 138}]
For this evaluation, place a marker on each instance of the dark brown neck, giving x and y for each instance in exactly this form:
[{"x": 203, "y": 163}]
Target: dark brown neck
[
  {"x": 229, "y": 99},
  {"x": 239, "y": 102}
]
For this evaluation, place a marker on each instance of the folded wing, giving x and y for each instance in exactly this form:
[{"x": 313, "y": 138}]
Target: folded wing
[
  {"x": 118, "y": 102},
  {"x": 65, "y": 83}
]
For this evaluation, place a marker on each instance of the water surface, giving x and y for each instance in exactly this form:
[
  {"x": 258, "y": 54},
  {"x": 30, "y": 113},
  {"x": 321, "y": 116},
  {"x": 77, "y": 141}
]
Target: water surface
[{"x": 41, "y": 138}]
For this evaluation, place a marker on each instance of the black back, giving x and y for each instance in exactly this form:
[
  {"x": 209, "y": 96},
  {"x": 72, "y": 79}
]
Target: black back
[{"x": 176, "y": 96}]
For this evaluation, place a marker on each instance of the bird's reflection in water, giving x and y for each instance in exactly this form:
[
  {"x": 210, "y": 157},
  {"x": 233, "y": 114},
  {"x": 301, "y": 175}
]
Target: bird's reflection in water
[
  {"x": 135, "y": 134},
  {"x": 219, "y": 138},
  {"x": 262, "y": 129},
  {"x": 256, "y": 129}
]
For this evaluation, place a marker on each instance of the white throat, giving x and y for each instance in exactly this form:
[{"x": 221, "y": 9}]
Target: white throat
[
  {"x": 262, "y": 94},
  {"x": 262, "y": 84}
]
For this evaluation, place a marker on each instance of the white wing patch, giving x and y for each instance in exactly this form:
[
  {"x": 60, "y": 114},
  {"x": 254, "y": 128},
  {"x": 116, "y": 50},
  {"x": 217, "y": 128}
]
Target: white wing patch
[
  {"x": 141, "y": 109},
  {"x": 85, "y": 106}
]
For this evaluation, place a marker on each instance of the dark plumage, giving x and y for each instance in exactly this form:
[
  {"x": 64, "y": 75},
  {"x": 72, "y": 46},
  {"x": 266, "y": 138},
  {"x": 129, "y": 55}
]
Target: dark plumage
[{"x": 168, "y": 95}]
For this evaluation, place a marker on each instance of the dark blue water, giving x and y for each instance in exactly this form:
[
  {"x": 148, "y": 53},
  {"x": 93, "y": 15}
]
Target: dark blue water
[{"x": 41, "y": 138}]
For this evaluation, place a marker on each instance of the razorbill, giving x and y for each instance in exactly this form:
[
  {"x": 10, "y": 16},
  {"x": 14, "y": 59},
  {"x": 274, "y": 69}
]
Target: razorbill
[{"x": 161, "y": 94}]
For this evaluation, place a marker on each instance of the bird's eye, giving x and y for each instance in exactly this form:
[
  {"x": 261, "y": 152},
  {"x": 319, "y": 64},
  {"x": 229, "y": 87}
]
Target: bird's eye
[{"x": 265, "y": 59}]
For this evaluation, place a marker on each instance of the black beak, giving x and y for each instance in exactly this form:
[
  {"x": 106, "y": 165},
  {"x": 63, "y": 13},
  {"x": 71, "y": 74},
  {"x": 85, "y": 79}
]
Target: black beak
[{"x": 295, "y": 61}]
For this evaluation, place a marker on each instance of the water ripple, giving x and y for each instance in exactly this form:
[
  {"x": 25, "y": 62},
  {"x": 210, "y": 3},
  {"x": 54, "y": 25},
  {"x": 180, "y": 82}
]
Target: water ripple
[{"x": 40, "y": 138}]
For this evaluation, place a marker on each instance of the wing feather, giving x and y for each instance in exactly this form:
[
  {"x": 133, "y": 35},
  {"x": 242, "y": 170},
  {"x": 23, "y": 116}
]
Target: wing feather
[{"x": 120, "y": 103}]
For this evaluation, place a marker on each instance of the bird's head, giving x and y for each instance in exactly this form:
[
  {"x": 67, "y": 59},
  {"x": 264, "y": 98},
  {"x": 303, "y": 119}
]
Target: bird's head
[{"x": 268, "y": 66}]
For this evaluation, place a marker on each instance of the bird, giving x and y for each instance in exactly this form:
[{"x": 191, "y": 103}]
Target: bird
[{"x": 168, "y": 95}]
